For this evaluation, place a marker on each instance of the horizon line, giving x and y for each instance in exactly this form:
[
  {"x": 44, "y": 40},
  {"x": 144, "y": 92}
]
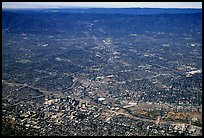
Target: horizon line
[
  {"x": 78, "y": 7},
  {"x": 48, "y": 5}
]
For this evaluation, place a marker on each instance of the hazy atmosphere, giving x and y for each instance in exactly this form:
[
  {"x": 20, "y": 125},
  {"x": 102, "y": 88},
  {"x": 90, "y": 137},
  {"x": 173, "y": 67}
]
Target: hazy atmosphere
[{"x": 102, "y": 4}]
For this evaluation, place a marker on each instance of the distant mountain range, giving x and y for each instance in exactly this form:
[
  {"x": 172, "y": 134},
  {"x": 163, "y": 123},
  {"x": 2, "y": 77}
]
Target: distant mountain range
[
  {"x": 130, "y": 11},
  {"x": 110, "y": 19}
]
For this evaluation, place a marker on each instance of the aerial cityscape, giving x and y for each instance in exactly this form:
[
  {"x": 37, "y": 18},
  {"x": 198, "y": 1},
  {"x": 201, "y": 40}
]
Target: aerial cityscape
[{"x": 102, "y": 72}]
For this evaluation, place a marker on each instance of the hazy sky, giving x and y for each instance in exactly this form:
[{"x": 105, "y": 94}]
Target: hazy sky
[{"x": 101, "y": 4}]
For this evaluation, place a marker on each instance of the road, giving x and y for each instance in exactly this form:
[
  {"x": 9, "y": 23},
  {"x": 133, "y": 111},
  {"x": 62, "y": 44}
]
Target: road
[{"x": 111, "y": 113}]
